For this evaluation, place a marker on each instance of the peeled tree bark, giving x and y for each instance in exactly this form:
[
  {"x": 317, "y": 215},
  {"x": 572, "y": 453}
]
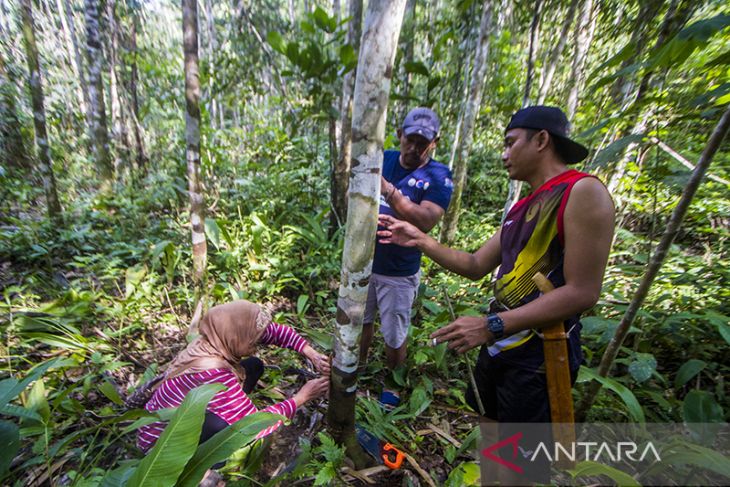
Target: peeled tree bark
[
  {"x": 192, "y": 138},
  {"x": 372, "y": 90},
  {"x": 673, "y": 226},
  {"x": 39, "y": 114},
  {"x": 342, "y": 169},
  {"x": 471, "y": 110},
  {"x": 99, "y": 132}
]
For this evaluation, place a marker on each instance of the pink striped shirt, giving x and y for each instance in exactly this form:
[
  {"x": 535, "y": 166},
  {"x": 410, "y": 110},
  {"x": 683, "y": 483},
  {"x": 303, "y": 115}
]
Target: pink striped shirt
[{"x": 231, "y": 404}]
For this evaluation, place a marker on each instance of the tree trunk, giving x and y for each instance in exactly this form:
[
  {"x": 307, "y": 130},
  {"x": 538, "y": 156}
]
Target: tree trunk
[
  {"x": 69, "y": 35},
  {"x": 583, "y": 39},
  {"x": 372, "y": 90},
  {"x": 116, "y": 102},
  {"x": 673, "y": 226},
  {"x": 471, "y": 110},
  {"x": 531, "y": 53},
  {"x": 623, "y": 86},
  {"x": 133, "y": 82},
  {"x": 192, "y": 137},
  {"x": 406, "y": 47},
  {"x": 552, "y": 63},
  {"x": 99, "y": 133},
  {"x": 45, "y": 165},
  {"x": 214, "y": 104},
  {"x": 12, "y": 147},
  {"x": 341, "y": 171}
]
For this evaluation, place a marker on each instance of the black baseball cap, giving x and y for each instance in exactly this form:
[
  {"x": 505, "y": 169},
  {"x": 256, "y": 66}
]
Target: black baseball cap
[{"x": 552, "y": 119}]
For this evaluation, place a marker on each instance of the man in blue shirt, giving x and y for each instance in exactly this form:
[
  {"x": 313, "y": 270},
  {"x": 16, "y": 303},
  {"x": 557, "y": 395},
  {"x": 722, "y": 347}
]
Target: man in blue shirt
[{"x": 417, "y": 189}]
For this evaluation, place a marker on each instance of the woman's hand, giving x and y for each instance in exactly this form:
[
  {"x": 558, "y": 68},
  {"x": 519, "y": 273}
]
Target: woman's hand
[
  {"x": 312, "y": 390},
  {"x": 320, "y": 361}
]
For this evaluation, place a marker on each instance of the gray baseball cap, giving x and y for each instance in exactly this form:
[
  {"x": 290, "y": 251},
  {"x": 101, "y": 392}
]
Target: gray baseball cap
[{"x": 422, "y": 121}]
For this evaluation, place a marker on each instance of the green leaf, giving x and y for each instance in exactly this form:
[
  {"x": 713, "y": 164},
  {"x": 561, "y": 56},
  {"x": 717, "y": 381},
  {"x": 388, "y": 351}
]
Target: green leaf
[
  {"x": 701, "y": 407},
  {"x": 110, "y": 392},
  {"x": 325, "y": 475},
  {"x": 348, "y": 57},
  {"x": 688, "y": 370},
  {"x": 633, "y": 406},
  {"x": 10, "y": 388},
  {"x": 419, "y": 401},
  {"x": 9, "y": 443},
  {"x": 302, "y": 304},
  {"x": 223, "y": 444},
  {"x": 416, "y": 67},
  {"x": 37, "y": 400},
  {"x": 589, "y": 469},
  {"x": 614, "y": 150},
  {"x": 466, "y": 474},
  {"x": 119, "y": 477},
  {"x": 324, "y": 21},
  {"x": 643, "y": 365},
  {"x": 213, "y": 232},
  {"x": 682, "y": 452},
  {"x": 20, "y": 412},
  {"x": 133, "y": 276},
  {"x": 276, "y": 41},
  {"x": 178, "y": 442}
]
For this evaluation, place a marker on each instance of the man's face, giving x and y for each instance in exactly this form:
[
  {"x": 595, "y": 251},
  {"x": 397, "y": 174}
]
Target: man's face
[
  {"x": 414, "y": 149},
  {"x": 519, "y": 153}
]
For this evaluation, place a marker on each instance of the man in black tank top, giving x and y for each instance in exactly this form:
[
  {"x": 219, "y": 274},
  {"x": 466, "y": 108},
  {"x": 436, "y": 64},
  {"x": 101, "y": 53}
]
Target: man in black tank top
[{"x": 563, "y": 229}]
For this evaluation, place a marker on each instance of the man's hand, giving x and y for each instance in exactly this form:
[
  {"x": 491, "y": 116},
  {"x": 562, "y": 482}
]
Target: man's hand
[
  {"x": 320, "y": 361},
  {"x": 464, "y": 334},
  {"x": 399, "y": 232}
]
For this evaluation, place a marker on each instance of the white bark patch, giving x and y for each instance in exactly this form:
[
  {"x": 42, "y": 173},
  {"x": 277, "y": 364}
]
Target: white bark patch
[{"x": 198, "y": 237}]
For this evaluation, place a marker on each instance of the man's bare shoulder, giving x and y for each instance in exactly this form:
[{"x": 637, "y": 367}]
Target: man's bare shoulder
[{"x": 591, "y": 191}]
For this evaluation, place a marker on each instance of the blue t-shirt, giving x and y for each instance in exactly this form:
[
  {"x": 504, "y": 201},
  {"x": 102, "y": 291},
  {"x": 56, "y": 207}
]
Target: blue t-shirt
[{"x": 431, "y": 182}]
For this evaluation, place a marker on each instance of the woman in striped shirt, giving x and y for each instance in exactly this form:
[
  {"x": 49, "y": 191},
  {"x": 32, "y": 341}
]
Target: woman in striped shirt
[{"x": 228, "y": 333}]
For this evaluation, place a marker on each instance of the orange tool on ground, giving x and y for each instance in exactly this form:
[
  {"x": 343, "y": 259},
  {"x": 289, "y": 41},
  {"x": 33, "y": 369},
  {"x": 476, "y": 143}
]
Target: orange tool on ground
[{"x": 392, "y": 457}]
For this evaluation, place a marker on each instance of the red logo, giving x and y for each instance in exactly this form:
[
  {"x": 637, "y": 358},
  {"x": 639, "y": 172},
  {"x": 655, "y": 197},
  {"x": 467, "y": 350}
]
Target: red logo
[{"x": 513, "y": 440}]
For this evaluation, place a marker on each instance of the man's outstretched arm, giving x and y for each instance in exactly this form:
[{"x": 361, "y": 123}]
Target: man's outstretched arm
[
  {"x": 472, "y": 265},
  {"x": 588, "y": 228}
]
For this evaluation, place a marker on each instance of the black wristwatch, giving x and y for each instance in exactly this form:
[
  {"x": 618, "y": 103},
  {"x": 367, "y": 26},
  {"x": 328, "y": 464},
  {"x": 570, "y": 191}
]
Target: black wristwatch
[{"x": 495, "y": 325}]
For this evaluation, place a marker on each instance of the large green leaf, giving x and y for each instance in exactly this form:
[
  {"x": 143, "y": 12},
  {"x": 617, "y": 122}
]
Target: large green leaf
[
  {"x": 10, "y": 388},
  {"x": 119, "y": 477},
  {"x": 643, "y": 365},
  {"x": 178, "y": 442},
  {"x": 613, "y": 150},
  {"x": 633, "y": 406},
  {"x": 688, "y": 370},
  {"x": 213, "y": 232},
  {"x": 702, "y": 414},
  {"x": 9, "y": 442},
  {"x": 682, "y": 452},
  {"x": 416, "y": 67},
  {"x": 589, "y": 469},
  {"x": 276, "y": 41},
  {"x": 223, "y": 444}
]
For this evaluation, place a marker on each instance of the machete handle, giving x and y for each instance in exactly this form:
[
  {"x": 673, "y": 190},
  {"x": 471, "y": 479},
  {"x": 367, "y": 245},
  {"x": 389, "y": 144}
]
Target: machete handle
[{"x": 554, "y": 331}]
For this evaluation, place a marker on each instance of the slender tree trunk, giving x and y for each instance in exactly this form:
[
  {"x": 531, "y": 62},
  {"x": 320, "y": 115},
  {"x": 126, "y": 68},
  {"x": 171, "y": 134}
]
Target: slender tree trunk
[
  {"x": 74, "y": 56},
  {"x": 673, "y": 226},
  {"x": 372, "y": 90},
  {"x": 583, "y": 39},
  {"x": 133, "y": 90},
  {"x": 45, "y": 165},
  {"x": 675, "y": 18},
  {"x": 623, "y": 86},
  {"x": 212, "y": 50},
  {"x": 99, "y": 133},
  {"x": 12, "y": 147},
  {"x": 471, "y": 110},
  {"x": 552, "y": 63},
  {"x": 341, "y": 172},
  {"x": 192, "y": 137},
  {"x": 336, "y": 10},
  {"x": 534, "y": 31},
  {"x": 406, "y": 47},
  {"x": 116, "y": 102}
]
